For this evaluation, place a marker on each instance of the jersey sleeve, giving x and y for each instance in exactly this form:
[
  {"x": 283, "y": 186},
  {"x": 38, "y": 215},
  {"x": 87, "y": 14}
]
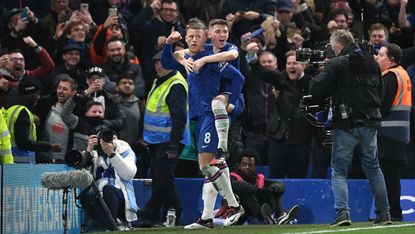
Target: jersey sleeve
[
  {"x": 236, "y": 79},
  {"x": 167, "y": 60}
]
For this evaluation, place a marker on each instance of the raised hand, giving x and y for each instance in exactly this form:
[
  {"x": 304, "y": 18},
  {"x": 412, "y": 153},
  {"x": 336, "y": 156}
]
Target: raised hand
[
  {"x": 252, "y": 48},
  {"x": 30, "y": 42},
  {"x": 111, "y": 19},
  {"x": 174, "y": 36}
]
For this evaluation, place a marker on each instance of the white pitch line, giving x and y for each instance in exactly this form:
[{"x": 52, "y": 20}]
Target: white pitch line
[{"x": 352, "y": 229}]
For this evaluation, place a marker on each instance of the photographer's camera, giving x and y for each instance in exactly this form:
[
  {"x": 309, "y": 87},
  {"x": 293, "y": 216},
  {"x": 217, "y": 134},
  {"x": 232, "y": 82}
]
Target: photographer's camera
[{"x": 78, "y": 159}]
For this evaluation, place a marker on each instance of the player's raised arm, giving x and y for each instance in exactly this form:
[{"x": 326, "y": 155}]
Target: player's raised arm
[
  {"x": 167, "y": 60},
  {"x": 224, "y": 56}
]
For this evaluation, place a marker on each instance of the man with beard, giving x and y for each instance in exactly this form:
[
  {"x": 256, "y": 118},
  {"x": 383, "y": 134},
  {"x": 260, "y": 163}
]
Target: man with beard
[
  {"x": 133, "y": 109},
  {"x": 16, "y": 66},
  {"x": 261, "y": 198},
  {"x": 119, "y": 62},
  {"x": 21, "y": 122},
  {"x": 52, "y": 128}
]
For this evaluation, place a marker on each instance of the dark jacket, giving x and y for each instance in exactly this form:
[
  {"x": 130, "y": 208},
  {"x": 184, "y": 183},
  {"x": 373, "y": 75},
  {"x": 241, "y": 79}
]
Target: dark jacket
[
  {"x": 114, "y": 118},
  {"x": 129, "y": 106},
  {"x": 294, "y": 128},
  {"x": 13, "y": 40},
  {"x": 260, "y": 114},
  {"x": 150, "y": 28},
  {"x": 129, "y": 65},
  {"x": 354, "y": 80},
  {"x": 249, "y": 186},
  {"x": 22, "y": 126},
  {"x": 49, "y": 85},
  {"x": 264, "y": 7}
]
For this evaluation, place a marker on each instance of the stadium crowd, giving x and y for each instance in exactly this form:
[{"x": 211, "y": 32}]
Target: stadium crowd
[{"x": 68, "y": 68}]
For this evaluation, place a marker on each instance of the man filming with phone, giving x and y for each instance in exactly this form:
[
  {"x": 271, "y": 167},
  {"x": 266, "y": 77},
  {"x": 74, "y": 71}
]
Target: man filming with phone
[
  {"x": 20, "y": 24},
  {"x": 113, "y": 168}
]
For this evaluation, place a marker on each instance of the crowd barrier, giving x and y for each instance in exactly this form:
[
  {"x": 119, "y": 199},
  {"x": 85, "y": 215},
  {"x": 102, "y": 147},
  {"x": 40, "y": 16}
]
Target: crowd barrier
[{"x": 27, "y": 207}]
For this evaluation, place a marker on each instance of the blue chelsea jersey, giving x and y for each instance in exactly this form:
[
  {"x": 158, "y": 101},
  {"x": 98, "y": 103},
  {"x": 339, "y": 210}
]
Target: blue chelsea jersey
[{"x": 205, "y": 85}]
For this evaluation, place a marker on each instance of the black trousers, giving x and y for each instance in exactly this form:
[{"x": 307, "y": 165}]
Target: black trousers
[
  {"x": 321, "y": 157},
  {"x": 290, "y": 161},
  {"x": 252, "y": 203},
  {"x": 164, "y": 194},
  {"x": 392, "y": 172},
  {"x": 265, "y": 146}
]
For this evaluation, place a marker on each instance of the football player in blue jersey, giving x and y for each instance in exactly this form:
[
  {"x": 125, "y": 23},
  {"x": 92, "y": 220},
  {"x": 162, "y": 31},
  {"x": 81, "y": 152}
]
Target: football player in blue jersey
[
  {"x": 220, "y": 52},
  {"x": 204, "y": 86}
]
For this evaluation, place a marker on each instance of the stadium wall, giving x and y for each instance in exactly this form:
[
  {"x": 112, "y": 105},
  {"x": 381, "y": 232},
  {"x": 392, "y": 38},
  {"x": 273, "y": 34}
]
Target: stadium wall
[{"x": 27, "y": 207}]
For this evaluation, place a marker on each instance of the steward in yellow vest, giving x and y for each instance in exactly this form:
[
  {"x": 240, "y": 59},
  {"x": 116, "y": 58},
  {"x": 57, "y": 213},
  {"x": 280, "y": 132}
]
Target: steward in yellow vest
[
  {"x": 157, "y": 118},
  {"x": 5, "y": 145},
  {"x": 166, "y": 130},
  {"x": 21, "y": 124}
]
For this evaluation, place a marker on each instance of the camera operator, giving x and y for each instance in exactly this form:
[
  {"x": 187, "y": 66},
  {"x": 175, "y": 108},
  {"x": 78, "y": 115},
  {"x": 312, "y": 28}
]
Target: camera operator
[
  {"x": 353, "y": 79},
  {"x": 294, "y": 133},
  {"x": 113, "y": 170}
]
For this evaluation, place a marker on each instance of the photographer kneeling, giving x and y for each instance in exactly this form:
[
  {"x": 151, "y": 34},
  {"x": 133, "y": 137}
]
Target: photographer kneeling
[{"x": 113, "y": 168}]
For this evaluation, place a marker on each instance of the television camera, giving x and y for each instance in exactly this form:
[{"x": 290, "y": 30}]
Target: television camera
[{"x": 316, "y": 112}]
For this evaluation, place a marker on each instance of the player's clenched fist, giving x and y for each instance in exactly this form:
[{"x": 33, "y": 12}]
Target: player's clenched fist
[{"x": 175, "y": 36}]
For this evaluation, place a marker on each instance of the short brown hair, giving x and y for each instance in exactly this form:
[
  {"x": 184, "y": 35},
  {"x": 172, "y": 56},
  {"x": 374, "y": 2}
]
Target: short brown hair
[
  {"x": 195, "y": 23},
  {"x": 66, "y": 78},
  {"x": 394, "y": 53},
  {"x": 290, "y": 53},
  {"x": 379, "y": 26},
  {"x": 69, "y": 26},
  {"x": 218, "y": 21},
  {"x": 267, "y": 52}
]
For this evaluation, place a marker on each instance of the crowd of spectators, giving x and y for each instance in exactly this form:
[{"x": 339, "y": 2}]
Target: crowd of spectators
[{"x": 96, "y": 68}]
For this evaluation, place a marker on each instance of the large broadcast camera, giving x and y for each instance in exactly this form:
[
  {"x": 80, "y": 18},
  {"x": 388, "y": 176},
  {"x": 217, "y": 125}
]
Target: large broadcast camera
[
  {"x": 310, "y": 56},
  {"x": 310, "y": 108},
  {"x": 316, "y": 59}
]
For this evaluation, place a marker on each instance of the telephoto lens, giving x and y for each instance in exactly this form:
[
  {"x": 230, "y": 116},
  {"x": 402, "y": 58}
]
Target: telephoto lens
[{"x": 78, "y": 159}]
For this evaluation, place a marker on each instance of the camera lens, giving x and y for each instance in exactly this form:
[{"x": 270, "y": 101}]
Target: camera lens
[
  {"x": 106, "y": 136},
  {"x": 78, "y": 159}
]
